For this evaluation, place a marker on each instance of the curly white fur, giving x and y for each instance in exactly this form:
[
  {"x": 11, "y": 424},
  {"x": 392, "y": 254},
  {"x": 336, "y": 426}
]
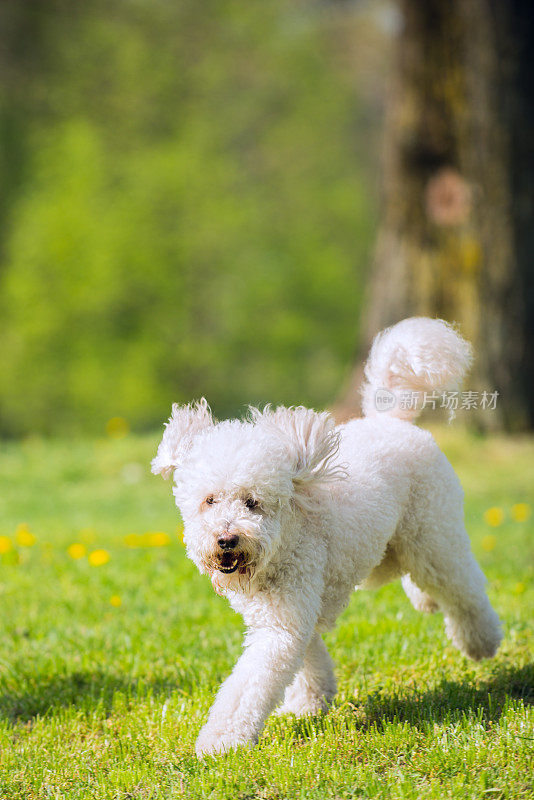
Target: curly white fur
[
  {"x": 415, "y": 356},
  {"x": 317, "y": 510}
]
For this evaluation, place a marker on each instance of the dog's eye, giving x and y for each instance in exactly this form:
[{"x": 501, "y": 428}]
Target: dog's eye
[
  {"x": 251, "y": 503},
  {"x": 209, "y": 501}
]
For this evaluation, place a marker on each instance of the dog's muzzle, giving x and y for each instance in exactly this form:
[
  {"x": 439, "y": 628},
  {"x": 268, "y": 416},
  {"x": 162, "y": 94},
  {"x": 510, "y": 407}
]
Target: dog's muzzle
[
  {"x": 229, "y": 557},
  {"x": 231, "y": 550}
]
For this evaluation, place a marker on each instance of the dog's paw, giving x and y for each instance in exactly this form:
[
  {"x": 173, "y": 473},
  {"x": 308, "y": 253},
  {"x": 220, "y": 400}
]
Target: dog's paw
[
  {"x": 303, "y": 704},
  {"x": 212, "y": 741},
  {"x": 209, "y": 743}
]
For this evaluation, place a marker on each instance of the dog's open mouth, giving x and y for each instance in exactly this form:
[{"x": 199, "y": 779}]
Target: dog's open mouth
[
  {"x": 229, "y": 570},
  {"x": 229, "y": 563}
]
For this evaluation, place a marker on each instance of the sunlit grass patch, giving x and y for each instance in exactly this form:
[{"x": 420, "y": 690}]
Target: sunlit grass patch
[{"x": 107, "y": 671}]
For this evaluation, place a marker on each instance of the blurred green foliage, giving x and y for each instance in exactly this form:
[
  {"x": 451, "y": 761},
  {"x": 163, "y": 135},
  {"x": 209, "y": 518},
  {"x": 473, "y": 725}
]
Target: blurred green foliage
[{"x": 187, "y": 211}]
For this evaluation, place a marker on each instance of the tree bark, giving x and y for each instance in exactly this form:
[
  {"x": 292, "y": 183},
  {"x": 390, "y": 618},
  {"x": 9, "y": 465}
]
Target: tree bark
[{"x": 456, "y": 239}]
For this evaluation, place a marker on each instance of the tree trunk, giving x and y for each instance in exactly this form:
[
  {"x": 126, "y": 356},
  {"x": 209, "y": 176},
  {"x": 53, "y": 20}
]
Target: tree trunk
[{"x": 456, "y": 239}]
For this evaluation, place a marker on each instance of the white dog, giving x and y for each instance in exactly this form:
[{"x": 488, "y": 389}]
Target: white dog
[{"x": 287, "y": 513}]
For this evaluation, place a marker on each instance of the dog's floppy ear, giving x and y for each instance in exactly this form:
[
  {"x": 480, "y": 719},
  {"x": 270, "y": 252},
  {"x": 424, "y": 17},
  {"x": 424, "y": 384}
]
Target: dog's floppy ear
[
  {"x": 313, "y": 442},
  {"x": 183, "y": 425}
]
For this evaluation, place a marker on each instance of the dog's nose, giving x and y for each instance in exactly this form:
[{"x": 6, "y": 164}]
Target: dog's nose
[{"x": 228, "y": 541}]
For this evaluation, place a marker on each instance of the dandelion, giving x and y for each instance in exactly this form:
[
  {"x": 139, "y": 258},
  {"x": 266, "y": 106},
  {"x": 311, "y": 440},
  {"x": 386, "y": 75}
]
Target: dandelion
[
  {"x": 133, "y": 540},
  {"x": 5, "y": 544},
  {"x": 158, "y": 539},
  {"x": 519, "y": 588},
  {"x": 23, "y": 536},
  {"x": 76, "y": 550},
  {"x": 117, "y": 428},
  {"x": 521, "y": 512},
  {"x": 489, "y": 542},
  {"x": 115, "y": 601},
  {"x": 180, "y": 533},
  {"x": 98, "y": 557},
  {"x": 494, "y": 516},
  {"x": 150, "y": 539}
]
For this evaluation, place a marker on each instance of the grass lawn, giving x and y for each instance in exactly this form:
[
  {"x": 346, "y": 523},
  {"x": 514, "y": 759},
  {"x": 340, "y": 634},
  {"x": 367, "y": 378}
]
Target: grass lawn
[{"x": 111, "y": 651}]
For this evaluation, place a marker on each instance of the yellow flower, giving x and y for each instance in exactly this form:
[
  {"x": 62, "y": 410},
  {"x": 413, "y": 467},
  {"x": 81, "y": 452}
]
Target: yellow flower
[
  {"x": 150, "y": 539},
  {"x": 24, "y": 537},
  {"x": 115, "y": 600},
  {"x": 117, "y": 428},
  {"x": 494, "y": 516},
  {"x": 489, "y": 542},
  {"x": 76, "y": 550},
  {"x": 98, "y": 557},
  {"x": 157, "y": 539},
  {"x": 519, "y": 588},
  {"x": 521, "y": 512},
  {"x": 180, "y": 533},
  {"x": 5, "y": 544}
]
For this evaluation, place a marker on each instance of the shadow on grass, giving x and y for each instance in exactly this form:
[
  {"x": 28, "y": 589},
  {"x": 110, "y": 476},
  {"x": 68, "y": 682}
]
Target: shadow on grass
[
  {"x": 448, "y": 702},
  {"x": 85, "y": 691},
  {"x": 451, "y": 701}
]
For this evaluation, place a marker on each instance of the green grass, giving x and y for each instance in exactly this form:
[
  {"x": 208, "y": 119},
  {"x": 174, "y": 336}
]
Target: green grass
[{"x": 99, "y": 701}]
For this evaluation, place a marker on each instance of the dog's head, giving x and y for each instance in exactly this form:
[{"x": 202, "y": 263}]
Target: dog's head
[{"x": 236, "y": 482}]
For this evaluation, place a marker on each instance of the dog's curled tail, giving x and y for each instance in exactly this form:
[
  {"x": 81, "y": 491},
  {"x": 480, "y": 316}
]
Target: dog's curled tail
[{"x": 410, "y": 363}]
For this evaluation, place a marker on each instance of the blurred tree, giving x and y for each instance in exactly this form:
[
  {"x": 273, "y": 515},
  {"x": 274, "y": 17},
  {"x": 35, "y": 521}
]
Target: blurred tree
[{"x": 457, "y": 233}]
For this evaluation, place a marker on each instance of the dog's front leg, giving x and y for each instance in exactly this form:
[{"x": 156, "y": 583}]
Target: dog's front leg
[
  {"x": 314, "y": 685},
  {"x": 273, "y": 654}
]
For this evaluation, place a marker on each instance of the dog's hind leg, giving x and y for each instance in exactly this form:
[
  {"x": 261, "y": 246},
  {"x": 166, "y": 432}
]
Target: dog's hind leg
[
  {"x": 314, "y": 685},
  {"x": 444, "y": 571},
  {"x": 420, "y": 600}
]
